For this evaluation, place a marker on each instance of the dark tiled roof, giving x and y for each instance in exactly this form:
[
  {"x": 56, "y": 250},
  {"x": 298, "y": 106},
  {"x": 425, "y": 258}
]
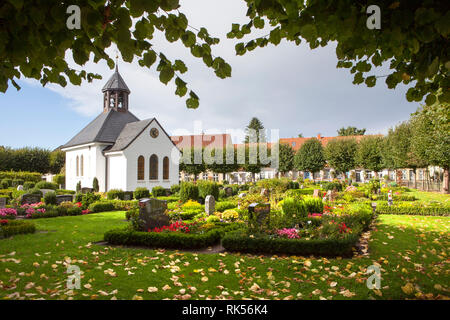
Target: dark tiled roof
[
  {"x": 116, "y": 82},
  {"x": 129, "y": 133},
  {"x": 105, "y": 128}
]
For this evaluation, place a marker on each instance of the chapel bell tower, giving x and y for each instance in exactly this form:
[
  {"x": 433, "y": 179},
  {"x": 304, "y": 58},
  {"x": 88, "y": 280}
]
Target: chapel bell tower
[{"x": 115, "y": 93}]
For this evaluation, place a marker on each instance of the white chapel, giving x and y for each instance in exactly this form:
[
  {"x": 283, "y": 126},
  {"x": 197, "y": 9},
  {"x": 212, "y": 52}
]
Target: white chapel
[{"x": 120, "y": 150}]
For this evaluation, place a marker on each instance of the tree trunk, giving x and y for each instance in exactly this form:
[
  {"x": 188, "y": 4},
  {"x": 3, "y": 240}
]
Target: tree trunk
[{"x": 445, "y": 182}]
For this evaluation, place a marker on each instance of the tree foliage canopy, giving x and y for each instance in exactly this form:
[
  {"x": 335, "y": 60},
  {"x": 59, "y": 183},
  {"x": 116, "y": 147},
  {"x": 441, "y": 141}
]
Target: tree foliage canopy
[
  {"x": 413, "y": 38},
  {"x": 341, "y": 154},
  {"x": 369, "y": 154},
  {"x": 35, "y": 40},
  {"x": 310, "y": 157},
  {"x": 255, "y": 131},
  {"x": 286, "y": 158},
  {"x": 351, "y": 131}
]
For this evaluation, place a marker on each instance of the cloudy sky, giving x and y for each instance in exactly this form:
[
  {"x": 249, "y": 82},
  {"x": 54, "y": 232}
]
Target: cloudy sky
[{"x": 290, "y": 88}]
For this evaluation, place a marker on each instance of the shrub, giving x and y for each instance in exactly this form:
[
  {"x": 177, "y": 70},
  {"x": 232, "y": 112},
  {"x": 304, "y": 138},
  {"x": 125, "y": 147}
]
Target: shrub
[
  {"x": 313, "y": 205},
  {"x": 294, "y": 207},
  {"x": 141, "y": 193},
  {"x": 100, "y": 206},
  {"x": 158, "y": 191},
  {"x": 50, "y": 198},
  {"x": 6, "y": 183},
  {"x": 28, "y": 185},
  {"x": 35, "y": 191},
  {"x": 89, "y": 198},
  {"x": 230, "y": 215},
  {"x": 239, "y": 241},
  {"x": 335, "y": 185},
  {"x": 95, "y": 185},
  {"x": 169, "y": 240},
  {"x": 13, "y": 227},
  {"x": 212, "y": 219},
  {"x": 206, "y": 188},
  {"x": 221, "y": 206},
  {"x": 191, "y": 205},
  {"x": 78, "y": 187},
  {"x": 170, "y": 199},
  {"x": 278, "y": 185},
  {"x": 64, "y": 191},
  {"x": 46, "y": 185},
  {"x": 17, "y": 182},
  {"x": 115, "y": 194},
  {"x": 132, "y": 213},
  {"x": 24, "y": 175},
  {"x": 59, "y": 179},
  {"x": 188, "y": 191},
  {"x": 175, "y": 188},
  {"x": 78, "y": 197},
  {"x": 74, "y": 211}
]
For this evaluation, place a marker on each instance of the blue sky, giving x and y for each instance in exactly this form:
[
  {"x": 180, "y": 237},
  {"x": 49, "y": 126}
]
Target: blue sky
[{"x": 293, "y": 89}]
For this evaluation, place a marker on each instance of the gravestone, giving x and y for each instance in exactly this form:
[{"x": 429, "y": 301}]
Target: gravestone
[
  {"x": 210, "y": 204},
  {"x": 45, "y": 191},
  {"x": 228, "y": 191},
  {"x": 242, "y": 195},
  {"x": 20, "y": 187},
  {"x": 152, "y": 213},
  {"x": 30, "y": 198},
  {"x": 128, "y": 195},
  {"x": 2, "y": 203},
  {"x": 259, "y": 213},
  {"x": 302, "y": 186},
  {"x": 316, "y": 193},
  {"x": 86, "y": 190},
  {"x": 64, "y": 198}
]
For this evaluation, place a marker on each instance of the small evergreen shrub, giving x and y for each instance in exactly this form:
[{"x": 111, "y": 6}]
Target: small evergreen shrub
[
  {"x": 17, "y": 182},
  {"x": 188, "y": 191},
  {"x": 175, "y": 188},
  {"x": 313, "y": 205},
  {"x": 141, "y": 193},
  {"x": 115, "y": 194},
  {"x": 50, "y": 198},
  {"x": 95, "y": 185},
  {"x": 74, "y": 211},
  {"x": 13, "y": 227},
  {"x": 6, "y": 183},
  {"x": 221, "y": 206},
  {"x": 158, "y": 191},
  {"x": 28, "y": 185},
  {"x": 89, "y": 198},
  {"x": 46, "y": 185},
  {"x": 100, "y": 206}
]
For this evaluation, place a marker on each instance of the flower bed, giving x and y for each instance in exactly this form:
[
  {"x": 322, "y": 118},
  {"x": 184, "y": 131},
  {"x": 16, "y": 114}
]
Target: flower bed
[
  {"x": 415, "y": 208},
  {"x": 167, "y": 239},
  {"x": 9, "y": 228},
  {"x": 8, "y": 213}
]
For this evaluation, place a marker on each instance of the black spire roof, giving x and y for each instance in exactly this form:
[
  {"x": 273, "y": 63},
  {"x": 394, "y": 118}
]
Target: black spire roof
[{"x": 116, "y": 82}]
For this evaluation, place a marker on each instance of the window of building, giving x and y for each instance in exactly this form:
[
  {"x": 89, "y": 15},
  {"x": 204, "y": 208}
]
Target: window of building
[
  {"x": 78, "y": 166},
  {"x": 205, "y": 176},
  {"x": 154, "y": 167},
  {"x": 404, "y": 175},
  {"x": 141, "y": 168},
  {"x": 216, "y": 177},
  {"x": 166, "y": 168},
  {"x": 82, "y": 166}
]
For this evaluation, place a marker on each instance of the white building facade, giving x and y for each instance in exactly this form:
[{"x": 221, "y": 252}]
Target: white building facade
[{"x": 119, "y": 150}]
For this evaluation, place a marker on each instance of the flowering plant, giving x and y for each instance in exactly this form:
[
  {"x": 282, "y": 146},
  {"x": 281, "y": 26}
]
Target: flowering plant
[
  {"x": 290, "y": 233},
  {"x": 344, "y": 229},
  {"x": 79, "y": 204},
  {"x": 32, "y": 205},
  {"x": 177, "y": 226},
  {"x": 3, "y": 222},
  {"x": 85, "y": 211},
  {"x": 8, "y": 212}
]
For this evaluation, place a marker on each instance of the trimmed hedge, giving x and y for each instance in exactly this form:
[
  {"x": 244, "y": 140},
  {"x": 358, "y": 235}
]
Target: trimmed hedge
[
  {"x": 206, "y": 188},
  {"x": 115, "y": 194},
  {"x": 141, "y": 193},
  {"x": 169, "y": 199},
  {"x": 24, "y": 175},
  {"x": 101, "y": 206},
  {"x": 50, "y": 198},
  {"x": 221, "y": 206},
  {"x": 395, "y": 197},
  {"x": 46, "y": 185},
  {"x": 414, "y": 209},
  {"x": 238, "y": 241},
  {"x": 16, "y": 227},
  {"x": 169, "y": 240},
  {"x": 188, "y": 191},
  {"x": 158, "y": 191}
]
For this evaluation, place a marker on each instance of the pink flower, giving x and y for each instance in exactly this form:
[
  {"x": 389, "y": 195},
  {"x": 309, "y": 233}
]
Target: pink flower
[
  {"x": 290, "y": 233},
  {"x": 8, "y": 212}
]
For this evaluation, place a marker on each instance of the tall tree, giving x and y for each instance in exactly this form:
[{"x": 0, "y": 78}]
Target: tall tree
[
  {"x": 310, "y": 157},
  {"x": 351, "y": 131},
  {"x": 224, "y": 161},
  {"x": 192, "y": 162},
  {"x": 38, "y": 37},
  {"x": 412, "y": 38},
  {"x": 286, "y": 158},
  {"x": 369, "y": 154},
  {"x": 341, "y": 153},
  {"x": 431, "y": 137},
  {"x": 255, "y": 131},
  {"x": 300, "y": 135},
  {"x": 57, "y": 161}
]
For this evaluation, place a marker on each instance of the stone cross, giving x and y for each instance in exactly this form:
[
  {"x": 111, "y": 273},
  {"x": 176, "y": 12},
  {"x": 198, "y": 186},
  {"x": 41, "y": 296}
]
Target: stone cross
[
  {"x": 152, "y": 212},
  {"x": 210, "y": 204}
]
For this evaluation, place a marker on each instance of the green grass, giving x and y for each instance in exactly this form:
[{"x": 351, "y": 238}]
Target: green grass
[
  {"x": 410, "y": 249},
  {"x": 429, "y": 196}
]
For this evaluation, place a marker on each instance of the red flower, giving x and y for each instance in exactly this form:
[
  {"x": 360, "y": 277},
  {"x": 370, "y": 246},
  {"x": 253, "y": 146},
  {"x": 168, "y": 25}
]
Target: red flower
[{"x": 3, "y": 222}]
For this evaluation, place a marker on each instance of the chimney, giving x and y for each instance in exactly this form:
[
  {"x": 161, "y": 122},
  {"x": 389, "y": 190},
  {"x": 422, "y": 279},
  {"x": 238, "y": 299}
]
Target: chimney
[{"x": 319, "y": 136}]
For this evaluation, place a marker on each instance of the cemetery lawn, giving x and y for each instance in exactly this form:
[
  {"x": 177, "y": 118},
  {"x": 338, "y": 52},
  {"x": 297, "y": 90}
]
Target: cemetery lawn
[
  {"x": 413, "y": 252},
  {"x": 429, "y": 196}
]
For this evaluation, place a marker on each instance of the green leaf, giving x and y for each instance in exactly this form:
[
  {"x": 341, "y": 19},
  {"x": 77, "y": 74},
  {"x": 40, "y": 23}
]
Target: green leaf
[
  {"x": 166, "y": 74},
  {"x": 275, "y": 36},
  {"x": 180, "y": 66},
  {"x": 149, "y": 58},
  {"x": 371, "y": 81},
  {"x": 431, "y": 99}
]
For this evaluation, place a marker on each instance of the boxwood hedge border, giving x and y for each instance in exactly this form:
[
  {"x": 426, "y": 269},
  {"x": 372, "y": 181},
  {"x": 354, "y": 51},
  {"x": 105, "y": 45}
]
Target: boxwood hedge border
[{"x": 15, "y": 227}]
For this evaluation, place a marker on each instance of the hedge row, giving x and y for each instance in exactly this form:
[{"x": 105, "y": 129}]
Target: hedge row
[
  {"x": 239, "y": 241},
  {"x": 413, "y": 209},
  {"x": 395, "y": 197},
  {"x": 16, "y": 227},
  {"x": 23, "y": 175},
  {"x": 168, "y": 240},
  {"x": 172, "y": 240}
]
